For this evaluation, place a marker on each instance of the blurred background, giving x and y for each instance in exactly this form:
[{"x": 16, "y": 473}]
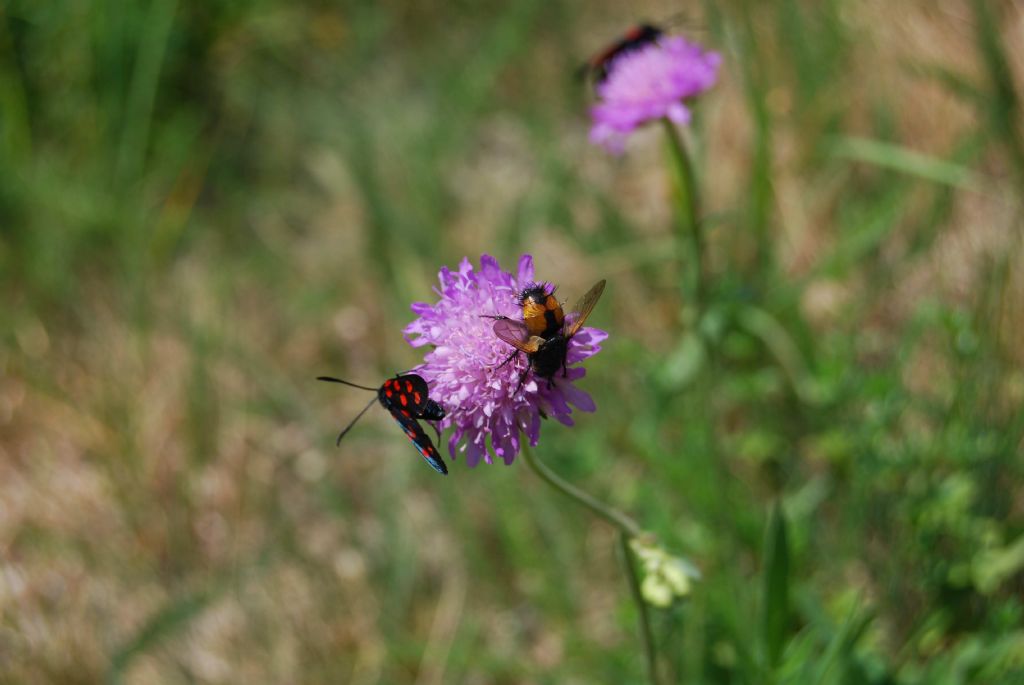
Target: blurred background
[{"x": 205, "y": 205}]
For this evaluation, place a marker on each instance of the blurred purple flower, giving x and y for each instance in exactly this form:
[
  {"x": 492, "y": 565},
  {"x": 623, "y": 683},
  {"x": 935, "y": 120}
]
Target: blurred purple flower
[
  {"x": 462, "y": 372},
  {"x": 650, "y": 83}
]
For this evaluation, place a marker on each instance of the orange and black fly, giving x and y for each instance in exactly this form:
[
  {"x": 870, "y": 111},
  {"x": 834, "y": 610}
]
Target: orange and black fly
[
  {"x": 406, "y": 397},
  {"x": 547, "y": 354},
  {"x": 542, "y": 312}
]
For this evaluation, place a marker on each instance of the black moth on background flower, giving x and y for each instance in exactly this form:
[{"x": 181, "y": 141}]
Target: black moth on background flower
[
  {"x": 634, "y": 38},
  {"x": 547, "y": 355},
  {"x": 406, "y": 397}
]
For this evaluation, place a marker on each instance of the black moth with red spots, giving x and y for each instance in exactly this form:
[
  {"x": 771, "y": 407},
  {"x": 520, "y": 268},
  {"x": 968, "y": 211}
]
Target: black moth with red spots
[{"x": 406, "y": 397}]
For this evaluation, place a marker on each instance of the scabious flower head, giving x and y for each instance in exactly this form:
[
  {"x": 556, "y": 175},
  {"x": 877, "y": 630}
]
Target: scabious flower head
[
  {"x": 650, "y": 83},
  {"x": 462, "y": 368}
]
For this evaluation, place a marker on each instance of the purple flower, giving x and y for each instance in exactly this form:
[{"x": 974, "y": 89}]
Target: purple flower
[
  {"x": 462, "y": 369},
  {"x": 650, "y": 83}
]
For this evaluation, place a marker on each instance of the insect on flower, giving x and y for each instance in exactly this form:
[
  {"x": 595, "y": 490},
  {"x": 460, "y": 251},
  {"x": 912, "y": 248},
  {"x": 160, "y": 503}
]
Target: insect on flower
[
  {"x": 547, "y": 355},
  {"x": 650, "y": 81},
  {"x": 542, "y": 312},
  {"x": 406, "y": 397},
  {"x": 635, "y": 37},
  {"x": 487, "y": 419}
]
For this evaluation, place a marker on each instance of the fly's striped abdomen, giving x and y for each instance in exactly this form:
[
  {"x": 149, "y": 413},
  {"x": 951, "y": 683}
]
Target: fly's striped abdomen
[{"x": 542, "y": 313}]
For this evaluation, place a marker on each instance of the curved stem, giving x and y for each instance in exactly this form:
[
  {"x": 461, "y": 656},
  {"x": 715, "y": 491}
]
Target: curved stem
[
  {"x": 612, "y": 516},
  {"x": 688, "y": 200},
  {"x": 628, "y": 529},
  {"x": 646, "y": 634}
]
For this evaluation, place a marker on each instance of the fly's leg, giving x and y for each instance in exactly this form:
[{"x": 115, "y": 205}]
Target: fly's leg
[
  {"x": 507, "y": 360},
  {"x": 522, "y": 379}
]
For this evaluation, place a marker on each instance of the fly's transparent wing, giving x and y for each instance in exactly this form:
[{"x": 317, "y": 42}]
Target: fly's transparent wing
[
  {"x": 516, "y": 334},
  {"x": 583, "y": 308}
]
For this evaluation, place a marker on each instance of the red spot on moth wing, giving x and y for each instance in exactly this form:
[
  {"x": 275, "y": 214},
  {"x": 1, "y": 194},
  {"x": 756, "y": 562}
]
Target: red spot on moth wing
[
  {"x": 408, "y": 386},
  {"x": 388, "y": 393},
  {"x": 404, "y": 400},
  {"x": 416, "y": 397},
  {"x": 406, "y": 414}
]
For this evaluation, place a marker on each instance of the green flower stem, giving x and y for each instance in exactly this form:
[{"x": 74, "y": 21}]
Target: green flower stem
[
  {"x": 688, "y": 201},
  {"x": 628, "y": 529},
  {"x": 612, "y": 516},
  {"x": 646, "y": 634}
]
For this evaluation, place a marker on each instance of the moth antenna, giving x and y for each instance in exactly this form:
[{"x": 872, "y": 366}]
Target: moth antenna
[
  {"x": 338, "y": 380},
  {"x": 353, "y": 421}
]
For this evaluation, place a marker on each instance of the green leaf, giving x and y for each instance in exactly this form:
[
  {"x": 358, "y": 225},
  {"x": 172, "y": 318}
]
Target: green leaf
[
  {"x": 992, "y": 567},
  {"x": 776, "y": 586}
]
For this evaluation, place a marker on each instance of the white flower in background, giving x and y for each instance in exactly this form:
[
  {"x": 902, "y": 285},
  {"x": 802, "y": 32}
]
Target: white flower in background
[{"x": 666, "y": 577}]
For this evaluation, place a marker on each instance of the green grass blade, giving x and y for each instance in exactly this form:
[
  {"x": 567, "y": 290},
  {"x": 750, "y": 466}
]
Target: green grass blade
[
  {"x": 769, "y": 330},
  {"x": 15, "y": 124},
  {"x": 776, "y": 587},
  {"x": 842, "y": 642},
  {"x": 152, "y": 47},
  {"x": 901, "y": 159},
  {"x": 761, "y": 194},
  {"x": 177, "y": 614},
  {"x": 1004, "y": 106}
]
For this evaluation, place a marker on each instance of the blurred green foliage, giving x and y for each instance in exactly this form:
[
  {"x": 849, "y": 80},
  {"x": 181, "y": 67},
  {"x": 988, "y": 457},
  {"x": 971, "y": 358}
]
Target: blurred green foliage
[{"x": 205, "y": 205}]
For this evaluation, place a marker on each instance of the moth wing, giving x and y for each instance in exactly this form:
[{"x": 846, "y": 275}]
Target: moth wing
[
  {"x": 421, "y": 441},
  {"x": 407, "y": 392}
]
